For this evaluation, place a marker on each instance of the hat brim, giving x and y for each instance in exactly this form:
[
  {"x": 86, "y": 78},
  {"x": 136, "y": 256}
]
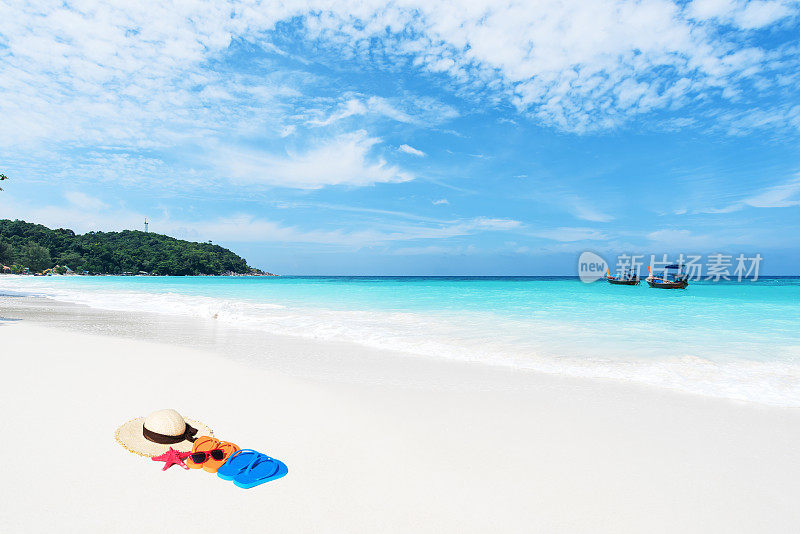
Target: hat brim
[{"x": 130, "y": 436}]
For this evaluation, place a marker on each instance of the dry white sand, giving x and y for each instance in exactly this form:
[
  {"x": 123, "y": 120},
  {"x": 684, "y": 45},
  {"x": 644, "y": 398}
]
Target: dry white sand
[{"x": 545, "y": 454}]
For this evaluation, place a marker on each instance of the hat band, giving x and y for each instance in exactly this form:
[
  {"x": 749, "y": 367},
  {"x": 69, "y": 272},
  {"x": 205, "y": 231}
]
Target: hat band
[{"x": 164, "y": 439}]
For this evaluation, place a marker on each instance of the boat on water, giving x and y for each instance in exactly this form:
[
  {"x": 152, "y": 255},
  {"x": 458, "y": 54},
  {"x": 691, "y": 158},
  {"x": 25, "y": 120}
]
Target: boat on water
[
  {"x": 673, "y": 277},
  {"x": 626, "y": 278}
]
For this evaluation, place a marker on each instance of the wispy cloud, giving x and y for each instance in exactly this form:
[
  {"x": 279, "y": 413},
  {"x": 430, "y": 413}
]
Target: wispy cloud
[
  {"x": 569, "y": 234},
  {"x": 411, "y": 109},
  {"x": 248, "y": 228},
  {"x": 348, "y": 109},
  {"x": 84, "y": 201},
  {"x": 157, "y": 66},
  {"x": 779, "y": 196},
  {"x": 557, "y": 63},
  {"x": 343, "y": 160},
  {"x": 683, "y": 240},
  {"x": 411, "y": 150},
  {"x": 243, "y": 227},
  {"x": 573, "y": 204},
  {"x": 494, "y": 223},
  {"x": 785, "y": 195},
  {"x": 581, "y": 210},
  {"x": 435, "y": 250},
  {"x": 745, "y": 15},
  {"x": 250, "y": 109}
]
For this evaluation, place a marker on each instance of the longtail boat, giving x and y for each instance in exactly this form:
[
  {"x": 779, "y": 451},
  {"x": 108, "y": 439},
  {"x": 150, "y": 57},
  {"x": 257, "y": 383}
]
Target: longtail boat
[
  {"x": 627, "y": 278},
  {"x": 668, "y": 280}
]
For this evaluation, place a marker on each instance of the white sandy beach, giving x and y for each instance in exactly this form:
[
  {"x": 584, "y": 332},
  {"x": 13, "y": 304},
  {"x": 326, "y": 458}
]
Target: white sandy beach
[{"x": 446, "y": 447}]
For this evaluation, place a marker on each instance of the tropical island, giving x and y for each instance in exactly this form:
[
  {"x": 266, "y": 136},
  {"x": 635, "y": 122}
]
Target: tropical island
[{"x": 32, "y": 248}]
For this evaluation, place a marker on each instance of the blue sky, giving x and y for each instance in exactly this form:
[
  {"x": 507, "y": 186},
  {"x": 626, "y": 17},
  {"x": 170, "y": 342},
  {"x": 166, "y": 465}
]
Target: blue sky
[{"x": 410, "y": 137}]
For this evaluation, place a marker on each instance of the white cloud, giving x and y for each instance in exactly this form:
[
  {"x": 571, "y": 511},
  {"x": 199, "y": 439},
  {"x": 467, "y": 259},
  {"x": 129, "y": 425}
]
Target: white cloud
[
  {"x": 435, "y": 250},
  {"x": 572, "y": 64},
  {"x": 409, "y": 110},
  {"x": 779, "y": 196},
  {"x": 785, "y": 195},
  {"x": 588, "y": 213},
  {"x": 343, "y": 160},
  {"x": 780, "y": 118},
  {"x": 574, "y": 205},
  {"x": 709, "y": 9},
  {"x": 758, "y": 14},
  {"x": 685, "y": 240},
  {"x": 745, "y": 14},
  {"x": 348, "y": 109},
  {"x": 84, "y": 201},
  {"x": 150, "y": 74},
  {"x": 552, "y": 194},
  {"x": 247, "y": 228},
  {"x": 411, "y": 150},
  {"x": 498, "y": 224},
  {"x": 569, "y": 234},
  {"x": 441, "y": 202},
  {"x": 71, "y": 215}
]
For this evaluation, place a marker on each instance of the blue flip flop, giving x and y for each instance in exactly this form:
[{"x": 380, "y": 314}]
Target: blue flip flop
[
  {"x": 262, "y": 470},
  {"x": 238, "y": 462}
]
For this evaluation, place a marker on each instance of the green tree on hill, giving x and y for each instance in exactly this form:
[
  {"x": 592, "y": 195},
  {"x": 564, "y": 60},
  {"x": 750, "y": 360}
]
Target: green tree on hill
[
  {"x": 6, "y": 254},
  {"x": 35, "y": 257},
  {"x": 38, "y": 247}
]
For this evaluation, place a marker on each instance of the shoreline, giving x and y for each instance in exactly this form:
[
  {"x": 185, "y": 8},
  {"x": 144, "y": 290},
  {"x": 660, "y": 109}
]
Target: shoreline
[
  {"x": 697, "y": 371},
  {"x": 230, "y": 274},
  {"x": 495, "y": 450}
]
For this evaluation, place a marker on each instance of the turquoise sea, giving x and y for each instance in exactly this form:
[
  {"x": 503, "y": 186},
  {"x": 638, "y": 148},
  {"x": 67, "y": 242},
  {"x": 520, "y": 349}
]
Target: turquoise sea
[{"x": 739, "y": 340}]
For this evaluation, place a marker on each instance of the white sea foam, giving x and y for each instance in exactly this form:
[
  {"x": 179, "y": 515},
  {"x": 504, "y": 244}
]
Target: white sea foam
[{"x": 542, "y": 344}]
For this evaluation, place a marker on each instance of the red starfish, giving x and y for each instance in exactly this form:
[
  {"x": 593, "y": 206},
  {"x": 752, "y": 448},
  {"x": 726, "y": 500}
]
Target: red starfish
[{"x": 172, "y": 457}]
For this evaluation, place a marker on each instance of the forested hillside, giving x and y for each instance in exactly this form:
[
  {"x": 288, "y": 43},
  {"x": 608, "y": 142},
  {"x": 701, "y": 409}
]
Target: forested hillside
[{"x": 37, "y": 247}]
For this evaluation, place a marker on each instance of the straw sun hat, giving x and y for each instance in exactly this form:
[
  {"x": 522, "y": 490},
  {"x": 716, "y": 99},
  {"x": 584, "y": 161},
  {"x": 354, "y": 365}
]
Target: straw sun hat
[{"x": 155, "y": 434}]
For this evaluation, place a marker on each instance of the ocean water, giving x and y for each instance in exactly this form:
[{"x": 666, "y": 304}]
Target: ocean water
[{"x": 739, "y": 340}]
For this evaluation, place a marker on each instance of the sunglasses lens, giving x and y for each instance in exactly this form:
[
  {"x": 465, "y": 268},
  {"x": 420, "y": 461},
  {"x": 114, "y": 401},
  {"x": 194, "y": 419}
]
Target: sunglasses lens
[
  {"x": 198, "y": 457},
  {"x": 217, "y": 454}
]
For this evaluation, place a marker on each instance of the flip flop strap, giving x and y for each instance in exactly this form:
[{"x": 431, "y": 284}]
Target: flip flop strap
[
  {"x": 235, "y": 454},
  {"x": 258, "y": 459}
]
